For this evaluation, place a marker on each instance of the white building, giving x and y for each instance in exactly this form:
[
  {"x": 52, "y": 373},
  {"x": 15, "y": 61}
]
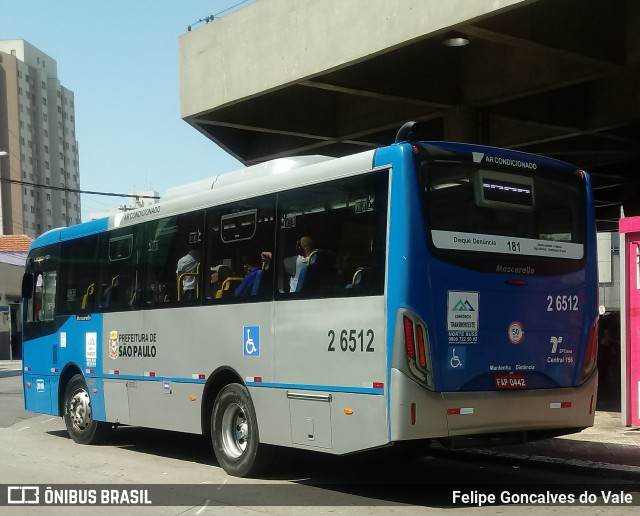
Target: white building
[
  {"x": 136, "y": 199},
  {"x": 37, "y": 131}
]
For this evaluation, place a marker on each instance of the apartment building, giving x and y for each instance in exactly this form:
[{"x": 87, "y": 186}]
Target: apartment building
[{"x": 39, "y": 163}]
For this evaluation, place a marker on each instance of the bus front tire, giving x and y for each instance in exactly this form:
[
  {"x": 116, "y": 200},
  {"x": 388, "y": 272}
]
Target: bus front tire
[
  {"x": 234, "y": 433},
  {"x": 77, "y": 415}
]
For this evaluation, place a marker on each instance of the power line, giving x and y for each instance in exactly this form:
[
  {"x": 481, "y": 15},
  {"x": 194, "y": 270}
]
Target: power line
[
  {"x": 214, "y": 16},
  {"x": 232, "y": 7},
  {"x": 73, "y": 190}
]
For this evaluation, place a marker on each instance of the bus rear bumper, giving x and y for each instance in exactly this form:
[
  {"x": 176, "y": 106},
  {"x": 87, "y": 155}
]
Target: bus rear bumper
[{"x": 519, "y": 414}]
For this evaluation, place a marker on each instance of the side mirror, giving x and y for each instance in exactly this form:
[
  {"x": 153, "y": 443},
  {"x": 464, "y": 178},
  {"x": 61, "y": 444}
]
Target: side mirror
[{"x": 27, "y": 285}]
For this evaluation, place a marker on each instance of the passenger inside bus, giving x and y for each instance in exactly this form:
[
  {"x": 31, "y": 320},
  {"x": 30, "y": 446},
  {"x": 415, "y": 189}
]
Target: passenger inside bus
[
  {"x": 219, "y": 274},
  {"x": 187, "y": 271},
  {"x": 294, "y": 265},
  {"x": 250, "y": 284}
]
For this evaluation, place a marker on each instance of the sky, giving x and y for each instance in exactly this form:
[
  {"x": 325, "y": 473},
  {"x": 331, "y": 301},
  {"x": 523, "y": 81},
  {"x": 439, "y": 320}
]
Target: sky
[{"x": 120, "y": 59}]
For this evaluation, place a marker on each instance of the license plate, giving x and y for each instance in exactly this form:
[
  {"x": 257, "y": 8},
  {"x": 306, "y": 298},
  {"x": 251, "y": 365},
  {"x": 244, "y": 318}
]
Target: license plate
[{"x": 510, "y": 381}]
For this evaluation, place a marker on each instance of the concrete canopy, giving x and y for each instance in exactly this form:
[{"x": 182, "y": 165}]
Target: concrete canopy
[{"x": 554, "y": 77}]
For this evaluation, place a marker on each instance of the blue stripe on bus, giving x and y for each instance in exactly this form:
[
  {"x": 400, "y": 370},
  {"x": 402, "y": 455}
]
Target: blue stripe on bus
[
  {"x": 150, "y": 378},
  {"x": 324, "y": 388}
]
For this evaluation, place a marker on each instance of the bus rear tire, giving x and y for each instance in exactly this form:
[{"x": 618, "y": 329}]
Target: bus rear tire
[
  {"x": 81, "y": 426},
  {"x": 234, "y": 433}
]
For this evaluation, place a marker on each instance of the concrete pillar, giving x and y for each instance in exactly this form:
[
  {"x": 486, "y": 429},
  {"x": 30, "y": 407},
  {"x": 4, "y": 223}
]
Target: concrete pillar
[{"x": 465, "y": 124}]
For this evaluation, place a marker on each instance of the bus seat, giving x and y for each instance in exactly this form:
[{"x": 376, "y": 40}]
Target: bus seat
[
  {"x": 357, "y": 278},
  {"x": 232, "y": 281},
  {"x": 88, "y": 296},
  {"x": 367, "y": 280},
  {"x": 319, "y": 273},
  {"x": 112, "y": 292},
  {"x": 303, "y": 274},
  {"x": 256, "y": 283},
  {"x": 182, "y": 275},
  {"x": 259, "y": 283}
]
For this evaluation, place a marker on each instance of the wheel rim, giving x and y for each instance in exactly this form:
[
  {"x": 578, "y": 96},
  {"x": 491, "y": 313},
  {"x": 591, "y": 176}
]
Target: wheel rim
[
  {"x": 79, "y": 410},
  {"x": 235, "y": 430}
]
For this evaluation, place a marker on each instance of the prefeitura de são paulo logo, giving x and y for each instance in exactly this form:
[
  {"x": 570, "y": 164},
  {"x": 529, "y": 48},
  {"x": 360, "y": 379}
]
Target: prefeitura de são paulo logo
[{"x": 113, "y": 344}]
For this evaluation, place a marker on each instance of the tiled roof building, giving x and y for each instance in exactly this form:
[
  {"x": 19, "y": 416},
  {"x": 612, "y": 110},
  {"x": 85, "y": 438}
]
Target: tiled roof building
[{"x": 12, "y": 243}]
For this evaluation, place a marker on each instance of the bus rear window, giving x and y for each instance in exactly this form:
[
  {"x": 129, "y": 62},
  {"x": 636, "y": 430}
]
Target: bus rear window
[{"x": 536, "y": 215}]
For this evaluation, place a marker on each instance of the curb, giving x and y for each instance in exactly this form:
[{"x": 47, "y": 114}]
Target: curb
[
  {"x": 10, "y": 365},
  {"x": 585, "y": 467}
]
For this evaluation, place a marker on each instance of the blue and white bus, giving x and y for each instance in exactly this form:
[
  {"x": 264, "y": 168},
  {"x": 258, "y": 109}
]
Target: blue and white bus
[{"x": 423, "y": 290}]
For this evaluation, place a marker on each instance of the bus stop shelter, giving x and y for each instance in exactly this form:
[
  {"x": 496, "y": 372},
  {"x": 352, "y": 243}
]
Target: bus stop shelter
[{"x": 556, "y": 77}]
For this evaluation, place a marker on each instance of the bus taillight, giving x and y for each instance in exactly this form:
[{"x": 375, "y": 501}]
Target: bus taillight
[
  {"x": 591, "y": 356},
  {"x": 416, "y": 341},
  {"x": 422, "y": 354},
  {"x": 408, "y": 336}
]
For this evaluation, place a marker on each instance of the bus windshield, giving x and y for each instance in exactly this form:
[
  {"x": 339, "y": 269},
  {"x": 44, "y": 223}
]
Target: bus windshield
[{"x": 476, "y": 213}]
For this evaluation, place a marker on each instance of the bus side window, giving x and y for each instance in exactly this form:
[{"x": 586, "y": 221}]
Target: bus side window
[
  {"x": 173, "y": 255},
  {"x": 118, "y": 257},
  {"x": 41, "y": 306},
  {"x": 339, "y": 229},
  {"x": 34, "y": 306},
  {"x": 239, "y": 252},
  {"x": 48, "y": 305},
  {"x": 43, "y": 263},
  {"x": 78, "y": 275}
]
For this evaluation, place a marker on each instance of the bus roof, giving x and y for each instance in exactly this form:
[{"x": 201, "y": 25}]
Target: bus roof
[{"x": 269, "y": 177}]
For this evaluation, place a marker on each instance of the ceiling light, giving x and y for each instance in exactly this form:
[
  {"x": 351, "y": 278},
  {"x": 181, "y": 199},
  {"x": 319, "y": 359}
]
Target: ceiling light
[{"x": 455, "y": 39}]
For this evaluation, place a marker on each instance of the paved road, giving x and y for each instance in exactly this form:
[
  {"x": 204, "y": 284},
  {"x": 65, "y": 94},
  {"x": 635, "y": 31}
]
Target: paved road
[
  {"x": 35, "y": 449},
  {"x": 11, "y": 401},
  {"x": 38, "y": 451}
]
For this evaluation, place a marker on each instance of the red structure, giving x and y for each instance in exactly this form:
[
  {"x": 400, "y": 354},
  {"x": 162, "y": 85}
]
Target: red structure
[{"x": 630, "y": 319}]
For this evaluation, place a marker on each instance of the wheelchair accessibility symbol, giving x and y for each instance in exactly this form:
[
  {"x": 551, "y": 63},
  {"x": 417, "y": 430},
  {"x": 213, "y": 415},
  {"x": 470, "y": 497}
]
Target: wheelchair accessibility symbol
[
  {"x": 251, "y": 341},
  {"x": 457, "y": 358}
]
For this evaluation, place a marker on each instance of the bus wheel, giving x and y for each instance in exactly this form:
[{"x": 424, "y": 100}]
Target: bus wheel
[
  {"x": 234, "y": 433},
  {"x": 77, "y": 414}
]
